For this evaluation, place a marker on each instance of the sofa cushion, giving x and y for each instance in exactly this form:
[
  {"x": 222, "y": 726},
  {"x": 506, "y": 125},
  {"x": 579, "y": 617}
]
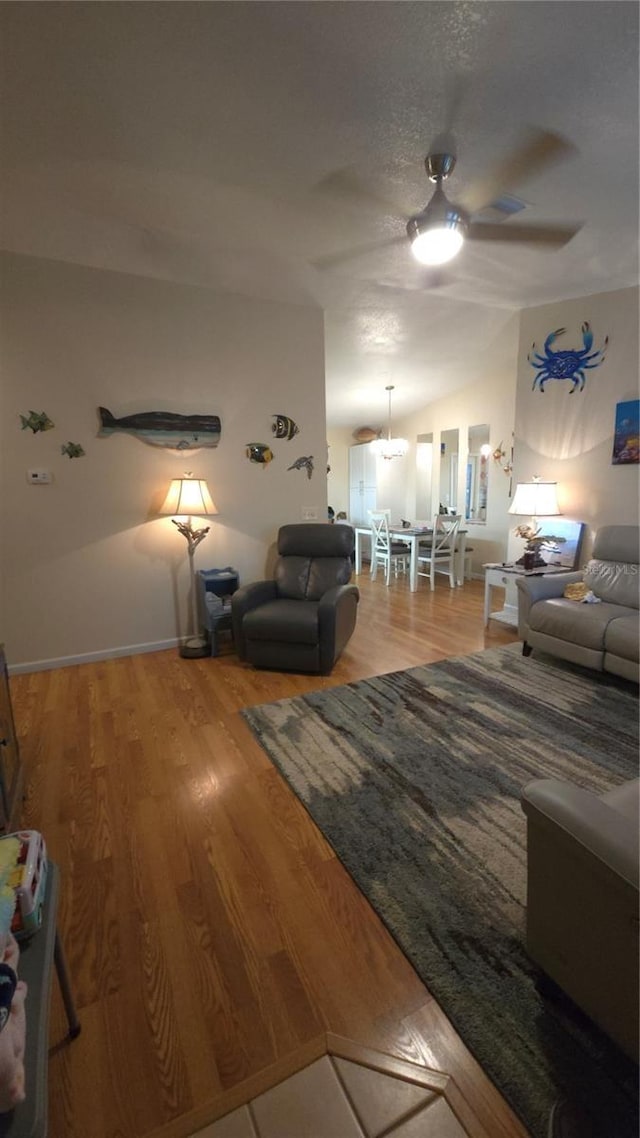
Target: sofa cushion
[
  {"x": 315, "y": 539},
  {"x": 291, "y": 576},
  {"x": 617, "y": 543},
  {"x": 309, "y": 578},
  {"x": 613, "y": 581},
  {"x": 324, "y": 574},
  {"x": 288, "y": 620},
  {"x": 579, "y": 623},
  {"x": 622, "y": 636}
]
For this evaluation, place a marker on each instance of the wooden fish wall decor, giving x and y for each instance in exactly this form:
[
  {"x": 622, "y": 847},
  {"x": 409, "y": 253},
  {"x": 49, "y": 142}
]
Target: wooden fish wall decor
[
  {"x": 259, "y": 453},
  {"x": 73, "y": 450},
  {"x": 165, "y": 428},
  {"x": 283, "y": 427},
  {"x": 36, "y": 421}
]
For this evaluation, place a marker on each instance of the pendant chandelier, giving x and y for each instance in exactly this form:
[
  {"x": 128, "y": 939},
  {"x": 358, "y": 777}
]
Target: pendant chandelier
[{"x": 390, "y": 448}]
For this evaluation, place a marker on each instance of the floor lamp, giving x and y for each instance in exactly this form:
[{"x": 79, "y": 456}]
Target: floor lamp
[{"x": 189, "y": 498}]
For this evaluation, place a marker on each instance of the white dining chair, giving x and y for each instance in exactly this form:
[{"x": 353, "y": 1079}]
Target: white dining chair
[
  {"x": 384, "y": 551},
  {"x": 439, "y": 554}
]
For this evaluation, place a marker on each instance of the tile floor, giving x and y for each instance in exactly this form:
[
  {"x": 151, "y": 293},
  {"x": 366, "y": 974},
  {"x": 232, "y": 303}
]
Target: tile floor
[{"x": 338, "y": 1098}]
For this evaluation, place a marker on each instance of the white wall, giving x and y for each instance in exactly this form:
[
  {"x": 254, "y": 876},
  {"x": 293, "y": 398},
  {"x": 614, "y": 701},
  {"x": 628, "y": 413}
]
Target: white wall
[
  {"x": 568, "y": 437},
  {"x": 87, "y": 568},
  {"x": 339, "y": 440},
  {"x": 490, "y": 398}
]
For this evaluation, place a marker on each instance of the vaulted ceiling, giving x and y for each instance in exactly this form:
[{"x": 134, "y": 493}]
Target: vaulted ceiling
[{"x": 206, "y": 142}]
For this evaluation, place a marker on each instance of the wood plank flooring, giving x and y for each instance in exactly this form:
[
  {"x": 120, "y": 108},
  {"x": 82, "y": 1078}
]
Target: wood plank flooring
[{"x": 209, "y": 928}]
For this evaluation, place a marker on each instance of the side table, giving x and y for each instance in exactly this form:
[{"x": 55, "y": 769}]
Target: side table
[
  {"x": 218, "y": 621},
  {"x": 504, "y": 577}
]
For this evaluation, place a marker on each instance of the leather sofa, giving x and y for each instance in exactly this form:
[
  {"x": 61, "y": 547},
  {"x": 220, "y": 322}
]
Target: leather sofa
[
  {"x": 604, "y": 635},
  {"x": 301, "y": 620},
  {"x": 582, "y": 898}
]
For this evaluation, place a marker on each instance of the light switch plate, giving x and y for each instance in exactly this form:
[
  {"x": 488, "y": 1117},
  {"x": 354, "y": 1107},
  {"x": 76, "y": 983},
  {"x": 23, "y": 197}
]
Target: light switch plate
[
  {"x": 309, "y": 513},
  {"x": 39, "y": 477}
]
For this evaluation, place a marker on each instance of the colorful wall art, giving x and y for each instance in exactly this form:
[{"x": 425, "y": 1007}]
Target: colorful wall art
[
  {"x": 570, "y": 364},
  {"x": 626, "y": 442},
  {"x": 259, "y": 453},
  {"x": 165, "y": 428},
  {"x": 284, "y": 427}
]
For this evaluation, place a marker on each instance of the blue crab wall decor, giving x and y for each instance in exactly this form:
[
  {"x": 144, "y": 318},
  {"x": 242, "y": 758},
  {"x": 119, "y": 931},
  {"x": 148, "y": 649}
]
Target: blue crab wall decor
[{"x": 566, "y": 365}]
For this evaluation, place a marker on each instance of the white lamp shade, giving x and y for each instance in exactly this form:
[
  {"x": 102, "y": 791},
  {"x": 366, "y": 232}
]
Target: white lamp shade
[
  {"x": 535, "y": 499},
  {"x": 188, "y": 497}
]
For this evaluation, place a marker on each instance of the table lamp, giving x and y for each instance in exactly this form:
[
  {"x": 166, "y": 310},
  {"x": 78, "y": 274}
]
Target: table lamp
[
  {"x": 189, "y": 498},
  {"x": 537, "y": 499}
]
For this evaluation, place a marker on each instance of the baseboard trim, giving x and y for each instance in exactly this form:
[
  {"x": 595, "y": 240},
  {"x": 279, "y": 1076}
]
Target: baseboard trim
[{"x": 90, "y": 657}]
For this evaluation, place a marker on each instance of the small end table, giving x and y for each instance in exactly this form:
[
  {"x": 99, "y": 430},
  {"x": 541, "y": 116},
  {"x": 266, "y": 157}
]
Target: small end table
[
  {"x": 504, "y": 577},
  {"x": 218, "y": 621}
]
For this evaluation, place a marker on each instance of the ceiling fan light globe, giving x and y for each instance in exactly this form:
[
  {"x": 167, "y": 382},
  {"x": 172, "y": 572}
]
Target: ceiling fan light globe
[{"x": 437, "y": 245}]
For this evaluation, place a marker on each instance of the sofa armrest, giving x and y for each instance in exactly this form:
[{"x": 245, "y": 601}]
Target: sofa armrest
[
  {"x": 608, "y": 836},
  {"x": 245, "y": 599},
  {"x": 336, "y": 621},
  {"x": 532, "y": 589}
]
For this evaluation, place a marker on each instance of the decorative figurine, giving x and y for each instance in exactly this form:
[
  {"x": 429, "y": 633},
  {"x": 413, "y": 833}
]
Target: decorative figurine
[
  {"x": 566, "y": 365},
  {"x": 283, "y": 427},
  {"x": 366, "y": 435},
  {"x": 260, "y": 453},
  {"x": 73, "y": 450},
  {"x": 36, "y": 421},
  {"x": 305, "y": 462},
  {"x": 165, "y": 428}
]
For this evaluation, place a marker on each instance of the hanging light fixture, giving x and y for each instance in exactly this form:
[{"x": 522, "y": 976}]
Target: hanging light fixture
[
  {"x": 437, "y": 233},
  {"x": 390, "y": 448}
]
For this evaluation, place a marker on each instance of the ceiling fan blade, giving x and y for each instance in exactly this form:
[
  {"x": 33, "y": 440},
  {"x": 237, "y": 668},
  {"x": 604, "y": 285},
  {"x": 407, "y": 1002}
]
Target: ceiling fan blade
[
  {"x": 553, "y": 236},
  {"x": 331, "y": 259},
  {"x": 540, "y": 150},
  {"x": 346, "y": 186}
]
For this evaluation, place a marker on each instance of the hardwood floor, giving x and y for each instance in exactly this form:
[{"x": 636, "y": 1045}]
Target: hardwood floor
[{"x": 209, "y": 928}]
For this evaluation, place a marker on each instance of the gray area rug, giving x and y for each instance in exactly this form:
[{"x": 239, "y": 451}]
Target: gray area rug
[{"x": 415, "y": 779}]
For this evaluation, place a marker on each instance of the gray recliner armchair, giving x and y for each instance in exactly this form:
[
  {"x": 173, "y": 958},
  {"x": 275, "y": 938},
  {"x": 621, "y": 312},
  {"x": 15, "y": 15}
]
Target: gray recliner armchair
[
  {"x": 582, "y": 898},
  {"x": 302, "y": 620}
]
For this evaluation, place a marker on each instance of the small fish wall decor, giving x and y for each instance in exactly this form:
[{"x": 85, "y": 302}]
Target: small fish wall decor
[
  {"x": 164, "y": 428},
  {"x": 283, "y": 427},
  {"x": 259, "y": 453},
  {"x": 571, "y": 364},
  {"x": 305, "y": 462},
  {"x": 36, "y": 421},
  {"x": 73, "y": 450}
]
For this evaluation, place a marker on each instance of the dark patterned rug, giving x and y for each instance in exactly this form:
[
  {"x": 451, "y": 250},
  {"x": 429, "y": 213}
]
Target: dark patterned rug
[{"x": 415, "y": 779}]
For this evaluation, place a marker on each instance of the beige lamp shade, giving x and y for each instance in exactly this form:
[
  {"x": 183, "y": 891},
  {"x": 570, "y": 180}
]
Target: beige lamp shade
[
  {"x": 188, "y": 497},
  {"x": 535, "y": 499}
]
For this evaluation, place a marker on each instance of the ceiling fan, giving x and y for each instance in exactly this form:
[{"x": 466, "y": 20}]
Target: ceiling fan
[{"x": 438, "y": 231}]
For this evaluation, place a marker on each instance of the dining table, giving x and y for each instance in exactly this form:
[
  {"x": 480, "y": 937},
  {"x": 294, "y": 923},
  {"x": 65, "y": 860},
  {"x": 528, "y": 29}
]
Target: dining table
[{"x": 412, "y": 536}]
